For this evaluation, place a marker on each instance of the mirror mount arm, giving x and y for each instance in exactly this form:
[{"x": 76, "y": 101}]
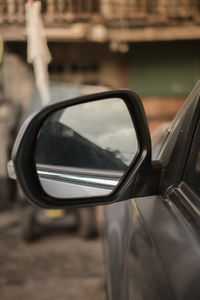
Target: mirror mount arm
[{"x": 147, "y": 183}]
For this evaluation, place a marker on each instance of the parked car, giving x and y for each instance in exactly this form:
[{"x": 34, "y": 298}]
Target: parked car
[{"x": 152, "y": 245}]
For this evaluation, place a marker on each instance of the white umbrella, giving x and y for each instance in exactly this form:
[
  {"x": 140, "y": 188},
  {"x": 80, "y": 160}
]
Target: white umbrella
[{"x": 37, "y": 49}]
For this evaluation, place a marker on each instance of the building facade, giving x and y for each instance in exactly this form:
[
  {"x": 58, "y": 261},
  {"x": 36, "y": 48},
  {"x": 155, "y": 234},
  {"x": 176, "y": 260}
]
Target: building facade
[{"x": 151, "y": 47}]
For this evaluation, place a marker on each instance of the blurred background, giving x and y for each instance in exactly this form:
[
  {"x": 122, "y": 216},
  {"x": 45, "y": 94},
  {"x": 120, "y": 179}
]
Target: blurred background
[{"x": 149, "y": 46}]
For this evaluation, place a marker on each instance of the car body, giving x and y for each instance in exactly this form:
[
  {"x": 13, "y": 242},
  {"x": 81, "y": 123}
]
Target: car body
[{"x": 152, "y": 245}]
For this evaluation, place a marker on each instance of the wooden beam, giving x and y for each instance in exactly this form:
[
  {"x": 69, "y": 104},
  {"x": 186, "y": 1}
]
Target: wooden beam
[
  {"x": 13, "y": 33},
  {"x": 82, "y": 31},
  {"x": 149, "y": 34}
]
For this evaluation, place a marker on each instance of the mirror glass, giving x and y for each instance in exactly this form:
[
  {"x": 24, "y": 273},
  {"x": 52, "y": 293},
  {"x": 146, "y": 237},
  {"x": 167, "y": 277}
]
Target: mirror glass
[{"x": 84, "y": 150}]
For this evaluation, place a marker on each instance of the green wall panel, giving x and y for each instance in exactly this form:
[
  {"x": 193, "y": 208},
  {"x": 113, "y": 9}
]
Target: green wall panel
[{"x": 166, "y": 69}]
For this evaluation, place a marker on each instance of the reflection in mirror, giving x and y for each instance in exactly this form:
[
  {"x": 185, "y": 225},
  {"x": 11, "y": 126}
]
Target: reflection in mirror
[{"x": 84, "y": 150}]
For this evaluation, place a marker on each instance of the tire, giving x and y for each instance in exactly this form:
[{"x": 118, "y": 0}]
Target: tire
[
  {"x": 87, "y": 225},
  {"x": 30, "y": 229}
]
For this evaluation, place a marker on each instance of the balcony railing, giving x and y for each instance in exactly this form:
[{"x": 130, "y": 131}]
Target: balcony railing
[
  {"x": 53, "y": 11},
  {"x": 153, "y": 9},
  {"x": 60, "y": 11}
]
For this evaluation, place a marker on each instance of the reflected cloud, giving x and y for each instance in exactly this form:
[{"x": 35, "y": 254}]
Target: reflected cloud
[{"x": 107, "y": 123}]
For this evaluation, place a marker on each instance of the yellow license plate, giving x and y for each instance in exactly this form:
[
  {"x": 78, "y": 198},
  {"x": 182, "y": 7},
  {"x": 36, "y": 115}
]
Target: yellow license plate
[{"x": 54, "y": 213}]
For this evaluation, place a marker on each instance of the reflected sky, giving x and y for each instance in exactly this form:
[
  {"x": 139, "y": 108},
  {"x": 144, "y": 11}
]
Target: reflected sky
[{"x": 107, "y": 123}]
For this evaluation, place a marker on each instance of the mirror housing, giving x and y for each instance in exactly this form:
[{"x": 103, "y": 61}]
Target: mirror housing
[{"x": 25, "y": 145}]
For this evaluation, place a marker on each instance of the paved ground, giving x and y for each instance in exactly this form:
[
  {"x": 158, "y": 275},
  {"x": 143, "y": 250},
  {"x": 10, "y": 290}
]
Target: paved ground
[{"x": 58, "y": 266}]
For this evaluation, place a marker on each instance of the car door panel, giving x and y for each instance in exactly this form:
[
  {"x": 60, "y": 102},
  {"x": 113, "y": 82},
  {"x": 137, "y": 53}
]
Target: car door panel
[
  {"x": 135, "y": 268},
  {"x": 152, "y": 251},
  {"x": 177, "y": 244}
]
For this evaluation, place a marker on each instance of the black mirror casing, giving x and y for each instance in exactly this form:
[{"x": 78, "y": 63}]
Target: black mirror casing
[{"x": 24, "y": 149}]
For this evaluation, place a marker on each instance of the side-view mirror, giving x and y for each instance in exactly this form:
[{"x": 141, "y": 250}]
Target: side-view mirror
[{"x": 89, "y": 150}]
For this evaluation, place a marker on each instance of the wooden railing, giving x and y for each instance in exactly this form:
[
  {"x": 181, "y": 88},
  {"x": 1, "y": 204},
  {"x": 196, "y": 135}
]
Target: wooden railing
[
  {"x": 53, "y": 11},
  {"x": 12, "y": 11},
  {"x": 61, "y": 11},
  {"x": 70, "y": 10},
  {"x": 153, "y": 9}
]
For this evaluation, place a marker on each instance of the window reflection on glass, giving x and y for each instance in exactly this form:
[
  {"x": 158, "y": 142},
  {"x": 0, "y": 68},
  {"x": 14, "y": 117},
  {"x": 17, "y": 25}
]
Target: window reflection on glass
[{"x": 96, "y": 137}]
